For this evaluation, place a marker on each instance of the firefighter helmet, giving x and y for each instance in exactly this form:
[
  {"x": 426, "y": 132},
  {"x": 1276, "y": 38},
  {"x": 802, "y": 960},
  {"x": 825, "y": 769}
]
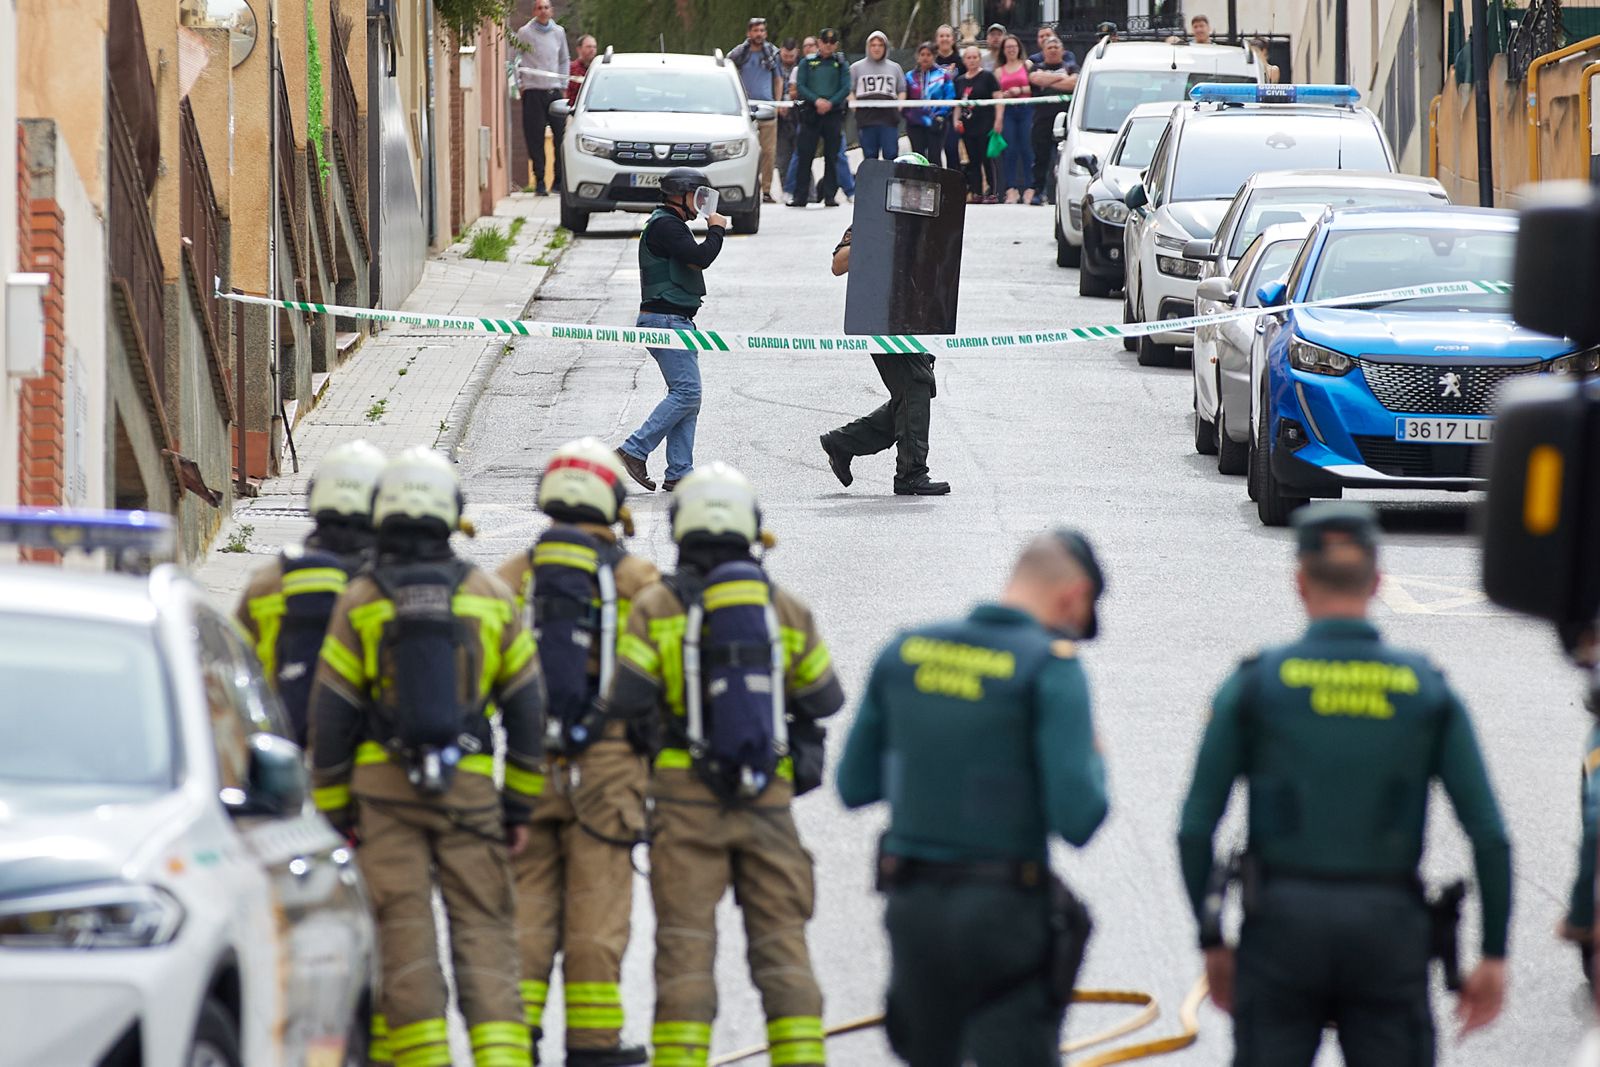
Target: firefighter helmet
[
  {"x": 717, "y": 502},
  {"x": 345, "y": 480},
  {"x": 421, "y": 485},
  {"x": 583, "y": 482}
]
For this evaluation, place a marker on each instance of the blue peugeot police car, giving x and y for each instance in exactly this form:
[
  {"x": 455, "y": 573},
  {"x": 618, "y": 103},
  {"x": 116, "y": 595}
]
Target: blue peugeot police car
[{"x": 1388, "y": 393}]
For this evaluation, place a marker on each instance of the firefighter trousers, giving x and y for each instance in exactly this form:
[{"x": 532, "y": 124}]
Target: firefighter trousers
[
  {"x": 700, "y": 847},
  {"x": 575, "y": 889},
  {"x": 411, "y": 844}
]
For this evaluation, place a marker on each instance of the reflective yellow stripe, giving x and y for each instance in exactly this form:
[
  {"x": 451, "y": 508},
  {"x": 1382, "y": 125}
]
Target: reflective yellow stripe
[
  {"x": 345, "y": 662},
  {"x": 499, "y": 1033},
  {"x": 517, "y": 656},
  {"x": 370, "y": 752},
  {"x": 794, "y": 1028},
  {"x": 788, "y": 1053},
  {"x": 534, "y": 992},
  {"x": 637, "y": 651},
  {"x": 814, "y": 666},
  {"x": 566, "y": 555},
  {"x": 673, "y": 1056},
  {"x": 378, "y": 1051},
  {"x": 667, "y": 636},
  {"x": 478, "y": 763},
  {"x": 314, "y": 580},
  {"x": 493, "y": 615},
  {"x": 582, "y": 1018},
  {"x": 686, "y": 1033},
  {"x": 533, "y": 1015},
  {"x": 673, "y": 759},
  {"x": 526, "y": 782},
  {"x": 433, "y": 1054},
  {"x": 598, "y": 993},
  {"x": 794, "y": 643},
  {"x": 331, "y": 797},
  {"x": 267, "y": 611},
  {"x": 368, "y": 621},
  {"x": 501, "y": 1056},
  {"x": 419, "y": 1033},
  {"x": 736, "y": 594}
]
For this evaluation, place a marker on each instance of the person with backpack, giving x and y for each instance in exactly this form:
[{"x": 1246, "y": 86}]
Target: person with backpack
[
  {"x": 285, "y": 608},
  {"x": 731, "y": 669},
  {"x": 575, "y": 588},
  {"x": 422, "y": 649}
]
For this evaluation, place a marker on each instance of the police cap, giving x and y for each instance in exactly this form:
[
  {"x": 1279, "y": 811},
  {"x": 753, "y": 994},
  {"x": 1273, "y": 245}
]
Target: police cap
[
  {"x": 1319, "y": 525},
  {"x": 1078, "y": 547},
  {"x": 828, "y": 36}
]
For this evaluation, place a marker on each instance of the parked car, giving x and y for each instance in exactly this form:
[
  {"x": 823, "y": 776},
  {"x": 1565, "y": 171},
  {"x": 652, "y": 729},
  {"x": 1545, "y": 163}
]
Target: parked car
[
  {"x": 639, "y": 115},
  {"x": 168, "y": 894},
  {"x": 1222, "y": 349},
  {"x": 1207, "y": 151},
  {"x": 1389, "y": 395},
  {"x": 1114, "y": 78},
  {"x": 1102, "y": 211}
]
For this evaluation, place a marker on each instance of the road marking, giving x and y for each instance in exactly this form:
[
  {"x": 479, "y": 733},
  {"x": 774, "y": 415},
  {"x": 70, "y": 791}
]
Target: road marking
[{"x": 1412, "y": 595}]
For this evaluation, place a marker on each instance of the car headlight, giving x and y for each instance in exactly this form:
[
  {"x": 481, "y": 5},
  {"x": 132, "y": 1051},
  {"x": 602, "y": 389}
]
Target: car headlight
[
  {"x": 108, "y": 916},
  {"x": 594, "y": 146},
  {"x": 1177, "y": 266},
  {"x": 1586, "y": 362},
  {"x": 1314, "y": 359},
  {"x": 1112, "y": 211},
  {"x": 1171, "y": 244},
  {"x": 729, "y": 149}
]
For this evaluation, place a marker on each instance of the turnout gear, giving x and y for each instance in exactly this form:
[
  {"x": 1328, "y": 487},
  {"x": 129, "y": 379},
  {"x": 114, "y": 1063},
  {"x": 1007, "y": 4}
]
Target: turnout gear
[
  {"x": 420, "y": 650},
  {"x": 702, "y": 841},
  {"x": 286, "y": 606},
  {"x": 574, "y": 881}
]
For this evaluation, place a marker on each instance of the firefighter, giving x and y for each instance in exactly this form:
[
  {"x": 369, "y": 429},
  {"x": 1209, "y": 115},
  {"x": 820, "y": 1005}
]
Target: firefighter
[
  {"x": 285, "y": 608},
  {"x": 575, "y": 587},
  {"x": 731, "y": 669},
  {"x": 421, "y": 648}
]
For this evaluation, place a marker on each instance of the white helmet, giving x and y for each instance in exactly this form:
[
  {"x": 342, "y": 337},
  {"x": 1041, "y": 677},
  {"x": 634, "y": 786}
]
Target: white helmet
[
  {"x": 716, "y": 501},
  {"x": 583, "y": 482},
  {"x": 345, "y": 480},
  {"x": 421, "y": 484}
]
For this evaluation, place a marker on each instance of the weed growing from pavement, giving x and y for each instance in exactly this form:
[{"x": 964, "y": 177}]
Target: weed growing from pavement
[
  {"x": 561, "y": 238},
  {"x": 489, "y": 243},
  {"x": 239, "y": 540},
  {"x": 402, "y": 371},
  {"x": 444, "y": 427},
  {"x": 516, "y": 227},
  {"x": 375, "y": 412}
]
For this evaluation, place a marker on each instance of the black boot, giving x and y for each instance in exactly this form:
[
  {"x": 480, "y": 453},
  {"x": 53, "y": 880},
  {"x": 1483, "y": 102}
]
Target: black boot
[
  {"x": 839, "y": 461},
  {"x": 923, "y": 486},
  {"x": 617, "y": 1056},
  {"x": 636, "y": 470}
]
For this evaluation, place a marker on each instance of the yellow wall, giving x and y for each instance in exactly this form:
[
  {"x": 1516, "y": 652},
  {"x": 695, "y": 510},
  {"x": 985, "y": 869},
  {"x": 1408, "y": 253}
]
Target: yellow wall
[
  {"x": 160, "y": 19},
  {"x": 72, "y": 93}
]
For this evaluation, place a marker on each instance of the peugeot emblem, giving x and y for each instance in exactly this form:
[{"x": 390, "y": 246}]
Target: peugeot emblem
[{"x": 1449, "y": 384}]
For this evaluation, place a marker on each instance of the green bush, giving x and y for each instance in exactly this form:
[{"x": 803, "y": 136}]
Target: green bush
[{"x": 704, "y": 25}]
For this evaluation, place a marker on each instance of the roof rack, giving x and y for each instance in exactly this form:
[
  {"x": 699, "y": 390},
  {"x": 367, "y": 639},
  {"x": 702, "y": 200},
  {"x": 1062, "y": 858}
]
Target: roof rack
[
  {"x": 717, "y": 55},
  {"x": 610, "y": 51},
  {"x": 133, "y": 539}
]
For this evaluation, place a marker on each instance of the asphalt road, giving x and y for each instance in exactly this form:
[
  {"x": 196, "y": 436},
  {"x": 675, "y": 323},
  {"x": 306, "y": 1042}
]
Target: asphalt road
[{"x": 1079, "y": 435}]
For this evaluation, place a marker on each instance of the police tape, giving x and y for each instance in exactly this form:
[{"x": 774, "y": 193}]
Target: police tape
[
  {"x": 1015, "y": 101},
  {"x": 902, "y": 344}
]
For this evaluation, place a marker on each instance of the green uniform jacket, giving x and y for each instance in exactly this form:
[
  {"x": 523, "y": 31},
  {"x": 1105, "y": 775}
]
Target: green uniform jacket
[
  {"x": 824, "y": 79},
  {"x": 1339, "y": 736},
  {"x": 978, "y": 733}
]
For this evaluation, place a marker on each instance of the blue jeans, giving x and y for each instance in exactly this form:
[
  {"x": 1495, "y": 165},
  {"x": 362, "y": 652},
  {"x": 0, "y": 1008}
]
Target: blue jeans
[
  {"x": 675, "y": 417},
  {"x": 1017, "y": 160},
  {"x": 879, "y": 142},
  {"x": 847, "y": 181}
]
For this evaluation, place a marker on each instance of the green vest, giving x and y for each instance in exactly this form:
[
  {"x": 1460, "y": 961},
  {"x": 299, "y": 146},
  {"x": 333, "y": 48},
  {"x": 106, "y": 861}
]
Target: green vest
[{"x": 666, "y": 279}]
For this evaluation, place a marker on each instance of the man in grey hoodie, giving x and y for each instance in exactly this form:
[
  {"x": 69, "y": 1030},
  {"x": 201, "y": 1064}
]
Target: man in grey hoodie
[
  {"x": 542, "y": 64},
  {"x": 877, "y": 77}
]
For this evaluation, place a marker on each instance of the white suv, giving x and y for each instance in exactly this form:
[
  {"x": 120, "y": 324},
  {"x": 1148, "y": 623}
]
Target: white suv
[{"x": 641, "y": 114}]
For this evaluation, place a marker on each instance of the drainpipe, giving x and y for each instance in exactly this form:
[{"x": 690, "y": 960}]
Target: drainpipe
[
  {"x": 1433, "y": 137},
  {"x": 1533, "y": 95},
  {"x": 1480, "y": 96},
  {"x": 428, "y": 148},
  {"x": 273, "y": 215},
  {"x": 1586, "y": 113}
]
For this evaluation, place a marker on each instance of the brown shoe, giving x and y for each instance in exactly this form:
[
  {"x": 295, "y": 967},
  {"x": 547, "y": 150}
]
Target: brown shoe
[
  {"x": 636, "y": 470},
  {"x": 669, "y": 485}
]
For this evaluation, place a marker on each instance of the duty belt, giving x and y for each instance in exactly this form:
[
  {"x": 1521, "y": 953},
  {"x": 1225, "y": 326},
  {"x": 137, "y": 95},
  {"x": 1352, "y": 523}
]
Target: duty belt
[
  {"x": 896, "y": 872},
  {"x": 1408, "y": 880}
]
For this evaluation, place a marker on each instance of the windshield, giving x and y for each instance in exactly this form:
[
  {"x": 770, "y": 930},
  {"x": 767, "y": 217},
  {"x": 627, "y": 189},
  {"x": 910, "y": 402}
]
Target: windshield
[
  {"x": 1217, "y": 156},
  {"x": 1269, "y": 206},
  {"x": 1140, "y": 144},
  {"x": 1362, "y": 261},
  {"x": 1273, "y": 266},
  {"x": 1111, "y": 94},
  {"x": 692, "y": 92},
  {"x": 86, "y": 708}
]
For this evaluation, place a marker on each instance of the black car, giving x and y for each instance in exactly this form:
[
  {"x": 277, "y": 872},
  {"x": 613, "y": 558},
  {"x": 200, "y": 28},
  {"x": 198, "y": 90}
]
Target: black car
[{"x": 1100, "y": 270}]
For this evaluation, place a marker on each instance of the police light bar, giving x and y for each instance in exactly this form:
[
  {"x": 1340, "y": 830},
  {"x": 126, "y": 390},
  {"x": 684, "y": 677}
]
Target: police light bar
[
  {"x": 147, "y": 532},
  {"x": 1247, "y": 93}
]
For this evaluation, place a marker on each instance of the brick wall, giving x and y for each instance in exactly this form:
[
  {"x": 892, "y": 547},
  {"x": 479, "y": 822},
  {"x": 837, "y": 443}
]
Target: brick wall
[
  {"x": 42, "y": 447},
  {"x": 458, "y": 143},
  {"x": 22, "y": 196}
]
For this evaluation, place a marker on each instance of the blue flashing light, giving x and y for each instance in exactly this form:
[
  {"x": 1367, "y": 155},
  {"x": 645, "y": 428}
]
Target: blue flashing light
[
  {"x": 148, "y": 532},
  {"x": 1246, "y": 93}
]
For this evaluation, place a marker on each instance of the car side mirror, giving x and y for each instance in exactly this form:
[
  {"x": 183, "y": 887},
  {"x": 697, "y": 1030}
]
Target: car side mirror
[
  {"x": 1089, "y": 162},
  {"x": 1199, "y": 249},
  {"x": 1135, "y": 197},
  {"x": 1058, "y": 128},
  {"x": 276, "y": 782},
  {"x": 1218, "y": 289},
  {"x": 1272, "y": 294},
  {"x": 560, "y": 107},
  {"x": 763, "y": 112}
]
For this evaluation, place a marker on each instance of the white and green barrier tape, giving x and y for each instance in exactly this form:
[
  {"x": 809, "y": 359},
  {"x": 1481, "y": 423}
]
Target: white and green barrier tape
[
  {"x": 892, "y": 344},
  {"x": 1015, "y": 101}
]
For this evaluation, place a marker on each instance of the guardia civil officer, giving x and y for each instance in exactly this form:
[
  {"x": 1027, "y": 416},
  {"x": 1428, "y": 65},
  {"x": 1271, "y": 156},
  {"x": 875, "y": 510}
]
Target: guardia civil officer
[
  {"x": 285, "y": 608},
  {"x": 672, "y": 286},
  {"x": 420, "y": 651},
  {"x": 978, "y": 734},
  {"x": 575, "y": 588},
  {"x": 731, "y": 669},
  {"x": 1338, "y": 736}
]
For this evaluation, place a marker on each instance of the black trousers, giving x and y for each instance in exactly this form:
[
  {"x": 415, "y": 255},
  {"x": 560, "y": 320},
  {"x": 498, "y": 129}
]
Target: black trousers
[
  {"x": 927, "y": 140},
  {"x": 535, "y": 117},
  {"x": 829, "y": 129},
  {"x": 981, "y": 177},
  {"x": 903, "y": 420},
  {"x": 968, "y": 977},
  {"x": 1354, "y": 956},
  {"x": 1044, "y": 154}
]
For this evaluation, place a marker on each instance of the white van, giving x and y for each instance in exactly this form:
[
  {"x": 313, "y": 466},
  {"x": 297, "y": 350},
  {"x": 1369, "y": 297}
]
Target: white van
[{"x": 1114, "y": 78}]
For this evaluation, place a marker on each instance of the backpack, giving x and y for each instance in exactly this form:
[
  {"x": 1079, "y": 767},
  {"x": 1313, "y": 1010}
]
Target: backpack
[
  {"x": 433, "y": 701},
  {"x": 310, "y": 590},
  {"x": 733, "y": 682},
  {"x": 573, "y": 608}
]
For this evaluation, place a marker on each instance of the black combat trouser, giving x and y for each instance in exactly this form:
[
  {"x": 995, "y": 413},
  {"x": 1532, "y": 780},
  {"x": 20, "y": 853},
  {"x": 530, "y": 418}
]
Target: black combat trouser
[
  {"x": 1044, "y": 154},
  {"x": 1352, "y": 955},
  {"x": 536, "y": 115},
  {"x": 903, "y": 420},
  {"x": 829, "y": 129},
  {"x": 968, "y": 979}
]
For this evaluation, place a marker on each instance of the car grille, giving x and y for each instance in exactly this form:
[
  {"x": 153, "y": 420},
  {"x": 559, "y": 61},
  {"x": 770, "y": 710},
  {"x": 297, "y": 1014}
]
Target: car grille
[
  {"x": 643, "y": 154},
  {"x": 1419, "y": 388},
  {"x": 1407, "y": 459}
]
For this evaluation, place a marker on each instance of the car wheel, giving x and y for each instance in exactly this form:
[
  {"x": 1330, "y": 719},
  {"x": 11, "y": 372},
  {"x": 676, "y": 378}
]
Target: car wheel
[
  {"x": 1067, "y": 253},
  {"x": 1273, "y": 506},
  {"x": 750, "y": 221},
  {"x": 1090, "y": 284},
  {"x": 1128, "y": 343},
  {"x": 573, "y": 219},
  {"x": 1205, "y": 431},
  {"x": 216, "y": 1038},
  {"x": 1152, "y": 354},
  {"x": 1232, "y": 456}
]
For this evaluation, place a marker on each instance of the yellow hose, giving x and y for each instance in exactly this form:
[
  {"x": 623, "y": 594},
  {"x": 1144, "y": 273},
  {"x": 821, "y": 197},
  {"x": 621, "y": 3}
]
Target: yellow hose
[{"x": 1188, "y": 1019}]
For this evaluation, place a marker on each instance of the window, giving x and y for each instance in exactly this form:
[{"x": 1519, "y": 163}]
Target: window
[
  {"x": 1273, "y": 266},
  {"x": 236, "y": 695},
  {"x": 1138, "y": 145},
  {"x": 1156, "y": 177},
  {"x": 1269, "y": 206},
  {"x": 1111, "y": 94},
  {"x": 1360, "y": 261},
  {"x": 693, "y": 92},
  {"x": 1221, "y": 152}
]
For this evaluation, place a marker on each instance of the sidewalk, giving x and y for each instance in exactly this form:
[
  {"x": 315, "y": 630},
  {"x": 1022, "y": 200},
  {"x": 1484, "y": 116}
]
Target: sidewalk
[{"x": 405, "y": 386}]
